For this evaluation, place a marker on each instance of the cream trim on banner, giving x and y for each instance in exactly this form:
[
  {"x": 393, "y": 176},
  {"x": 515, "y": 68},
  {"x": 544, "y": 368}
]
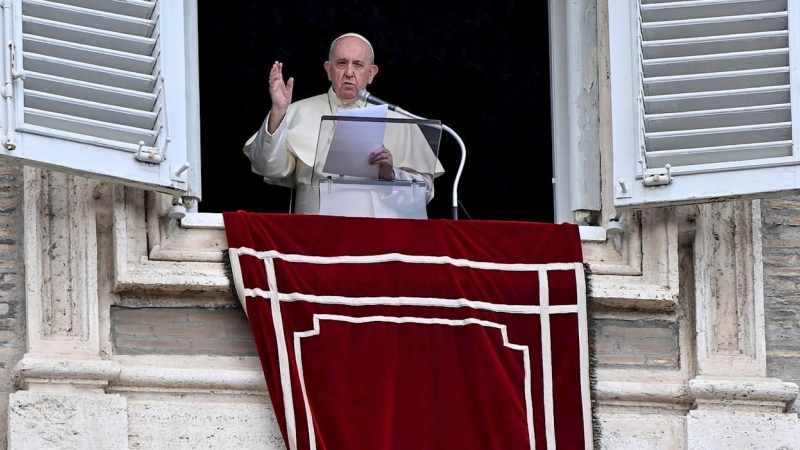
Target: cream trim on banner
[
  {"x": 283, "y": 355},
  {"x": 410, "y": 301},
  {"x": 547, "y": 360},
  {"x": 583, "y": 343},
  {"x": 412, "y": 259},
  {"x": 238, "y": 281}
]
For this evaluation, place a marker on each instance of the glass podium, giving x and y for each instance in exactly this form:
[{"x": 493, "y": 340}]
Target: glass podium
[{"x": 349, "y": 186}]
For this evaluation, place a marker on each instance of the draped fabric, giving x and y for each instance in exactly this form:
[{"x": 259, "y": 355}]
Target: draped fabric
[{"x": 408, "y": 334}]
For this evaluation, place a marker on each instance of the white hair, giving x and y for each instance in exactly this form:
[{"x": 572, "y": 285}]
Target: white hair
[{"x": 357, "y": 36}]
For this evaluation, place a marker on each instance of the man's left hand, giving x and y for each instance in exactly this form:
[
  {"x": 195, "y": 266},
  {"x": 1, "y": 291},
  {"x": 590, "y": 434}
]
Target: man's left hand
[{"x": 383, "y": 157}]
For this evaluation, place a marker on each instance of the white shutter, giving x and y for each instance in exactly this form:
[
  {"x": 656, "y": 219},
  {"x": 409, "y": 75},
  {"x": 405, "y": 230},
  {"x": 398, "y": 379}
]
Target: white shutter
[
  {"x": 702, "y": 96},
  {"x": 101, "y": 88}
]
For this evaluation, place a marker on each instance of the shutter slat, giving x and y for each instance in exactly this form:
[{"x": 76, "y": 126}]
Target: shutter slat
[
  {"x": 65, "y": 87},
  {"x": 88, "y": 36},
  {"x": 715, "y": 44},
  {"x": 78, "y": 125},
  {"x": 736, "y": 98},
  {"x": 742, "y": 79},
  {"x": 731, "y": 117},
  {"x": 90, "y": 110},
  {"x": 723, "y": 62},
  {"x": 142, "y": 9},
  {"x": 715, "y": 137},
  {"x": 89, "y": 18},
  {"x": 715, "y": 26},
  {"x": 128, "y": 62},
  {"x": 720, "y": 154},
  {"x": 90, "y": 73},
  {"x": 687, "y": 10}
]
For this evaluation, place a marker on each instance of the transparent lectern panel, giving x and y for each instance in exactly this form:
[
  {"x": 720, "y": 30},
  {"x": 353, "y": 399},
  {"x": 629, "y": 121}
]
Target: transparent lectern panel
[{"x": 345, "y": 144}]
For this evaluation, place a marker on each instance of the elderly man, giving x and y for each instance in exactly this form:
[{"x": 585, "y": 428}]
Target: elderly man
[{"x": 283, "y": 150}]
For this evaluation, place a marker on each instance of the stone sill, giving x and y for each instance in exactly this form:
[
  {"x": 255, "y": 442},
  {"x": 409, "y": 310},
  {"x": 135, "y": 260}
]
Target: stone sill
[{"x": 213, "y": 221}]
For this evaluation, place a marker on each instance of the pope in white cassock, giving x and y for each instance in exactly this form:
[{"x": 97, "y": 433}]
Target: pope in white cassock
[{"x": 284, "y": 149}]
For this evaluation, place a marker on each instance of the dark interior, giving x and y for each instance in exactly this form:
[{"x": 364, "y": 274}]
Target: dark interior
[{"x": 481, "y": 67}]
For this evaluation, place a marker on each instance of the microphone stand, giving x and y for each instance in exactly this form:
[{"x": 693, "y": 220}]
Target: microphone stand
[{"x": 455, "y": 135}]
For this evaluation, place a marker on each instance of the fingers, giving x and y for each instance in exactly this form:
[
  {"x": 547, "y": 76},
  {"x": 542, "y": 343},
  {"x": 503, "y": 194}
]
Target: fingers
[
  {"x": 276, "y": 74},
  {"x": 379, "y": 151},
  {"x": 280, "y": 92},
  {"x": 381, "y": 156}
]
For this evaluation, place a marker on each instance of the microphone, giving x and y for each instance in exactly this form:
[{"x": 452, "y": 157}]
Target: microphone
[{"x": 365, "y": 96}]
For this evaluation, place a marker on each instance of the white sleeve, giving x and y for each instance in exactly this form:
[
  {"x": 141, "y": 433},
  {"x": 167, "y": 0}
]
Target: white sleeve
[
  {"x": 402, "y": 175},
  {"x": 268, "y": 153}
]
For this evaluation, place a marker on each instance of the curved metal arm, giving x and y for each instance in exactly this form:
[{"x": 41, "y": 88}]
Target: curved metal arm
[{"x": 460, "y": 165}]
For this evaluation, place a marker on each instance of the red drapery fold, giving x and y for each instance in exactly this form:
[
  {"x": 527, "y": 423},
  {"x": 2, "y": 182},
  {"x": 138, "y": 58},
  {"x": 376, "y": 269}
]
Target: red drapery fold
[{"x": 405, "y": 334}]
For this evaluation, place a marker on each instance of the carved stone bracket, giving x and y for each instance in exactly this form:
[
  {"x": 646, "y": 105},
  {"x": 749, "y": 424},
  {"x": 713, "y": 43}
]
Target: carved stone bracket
[
  {"x": 139, "y": 278},
  {"x": 641, "y": 272}
]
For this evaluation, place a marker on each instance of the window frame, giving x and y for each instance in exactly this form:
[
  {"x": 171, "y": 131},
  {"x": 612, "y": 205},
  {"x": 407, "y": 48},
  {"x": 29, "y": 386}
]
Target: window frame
[{"x": 563, "y": 157}]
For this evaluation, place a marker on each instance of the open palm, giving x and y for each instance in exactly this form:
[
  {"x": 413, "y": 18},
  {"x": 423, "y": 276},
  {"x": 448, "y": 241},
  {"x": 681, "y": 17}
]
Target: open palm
[{"x": 280, "y": 91}]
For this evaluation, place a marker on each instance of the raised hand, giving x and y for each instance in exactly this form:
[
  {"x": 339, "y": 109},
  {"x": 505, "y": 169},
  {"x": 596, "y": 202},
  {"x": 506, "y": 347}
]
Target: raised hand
[
  {"x": 280, "y": 91},
  {"x": 281, "y": 94}
]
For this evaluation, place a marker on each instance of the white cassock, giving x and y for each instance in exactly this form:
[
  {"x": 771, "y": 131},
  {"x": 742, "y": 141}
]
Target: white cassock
[{"x": 287, "y": 157}]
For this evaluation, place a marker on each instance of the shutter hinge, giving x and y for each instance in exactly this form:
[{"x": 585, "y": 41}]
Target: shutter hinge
[{"x": 659, "y": 177}]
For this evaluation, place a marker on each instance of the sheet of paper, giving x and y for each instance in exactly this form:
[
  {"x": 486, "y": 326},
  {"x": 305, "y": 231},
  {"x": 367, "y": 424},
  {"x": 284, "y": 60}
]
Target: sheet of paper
[{"x": 352, "y": 142}]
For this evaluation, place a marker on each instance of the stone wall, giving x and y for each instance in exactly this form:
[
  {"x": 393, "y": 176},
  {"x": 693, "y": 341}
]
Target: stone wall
[
  {"x": 781, "y": 247},
  {"x": 637, "y": 344},
  {"x": 181, "y": 331},
  {"x": 12, "y": 286}
]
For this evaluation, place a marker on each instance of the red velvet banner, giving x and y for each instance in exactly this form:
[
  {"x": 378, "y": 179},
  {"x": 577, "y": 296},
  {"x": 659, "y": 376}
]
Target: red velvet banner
[{"x": 406, "y": 334}]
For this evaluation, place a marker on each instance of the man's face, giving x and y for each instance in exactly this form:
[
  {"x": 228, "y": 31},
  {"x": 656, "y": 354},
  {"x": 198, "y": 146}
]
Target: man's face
[{"x": 350, "y": 68}]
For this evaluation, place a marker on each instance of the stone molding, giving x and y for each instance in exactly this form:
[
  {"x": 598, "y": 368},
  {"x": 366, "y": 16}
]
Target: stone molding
[
  {"x": 729, "y": 297},
  {"x": 189, "y": 260},
  {"x": 766, "y": 394},
  {"x": 41, "y": 369},
  {"x": 60, "y": 263}
]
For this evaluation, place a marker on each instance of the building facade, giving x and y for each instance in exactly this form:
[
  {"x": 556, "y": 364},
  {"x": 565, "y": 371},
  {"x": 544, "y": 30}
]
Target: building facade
[{"x": 118, "y": 327}]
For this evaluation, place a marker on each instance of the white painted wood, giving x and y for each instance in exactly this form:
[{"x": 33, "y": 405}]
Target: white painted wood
[
  {"x": 101, "y": 77},
  {"x": 191, "y": 99},
  {"x": 717, "y": 99},
  {"x": 102, "y": 131},
  {"x": 104, "y": 75},
  {"x": 706, "y": 88},
  {"x": 129, "y": 62},
  {"x": 88, "y": 17},
  {"x": 134, "y": 8},
  {"x": 77, "y": 107},
  {"x": 92, "y": 92},
  {"x": 88, "y": 36},
  {"x": 558, "y": 111},
  {"x": 582, "y": 105}
]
